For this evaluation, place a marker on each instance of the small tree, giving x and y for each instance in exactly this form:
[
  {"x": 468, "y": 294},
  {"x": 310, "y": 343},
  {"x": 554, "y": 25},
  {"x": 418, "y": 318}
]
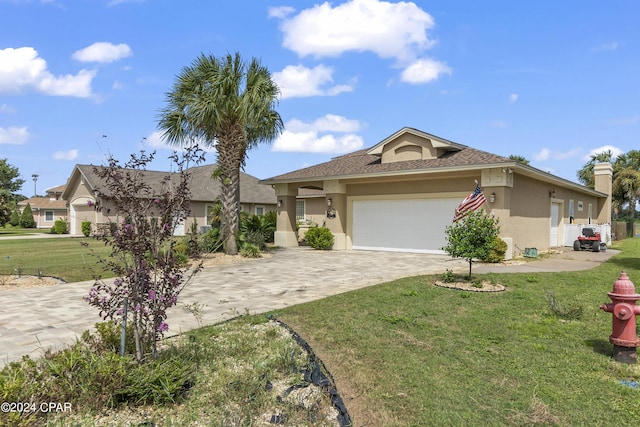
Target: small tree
[
  {"x": 5, "y": 212},
  {"x": 148, "y": 274},
  {"x": 472, "y": 237},
  {"x": 26, "y": 219},
  {"x": 14, "y": 220}
]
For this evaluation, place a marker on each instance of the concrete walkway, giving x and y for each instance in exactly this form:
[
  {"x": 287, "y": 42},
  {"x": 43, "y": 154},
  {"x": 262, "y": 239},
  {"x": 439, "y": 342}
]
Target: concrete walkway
[{"x": 34, "y": 319}]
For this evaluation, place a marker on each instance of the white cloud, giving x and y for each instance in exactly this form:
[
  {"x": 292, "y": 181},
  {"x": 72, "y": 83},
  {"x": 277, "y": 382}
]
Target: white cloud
[
  {"x": 14, "y": 135},
  {"x": 22, "y": 68},
  {"x": 424, "y": 71},
  {"x": 319, "y": 136},
  {"x": 547, "y": 154},
  {"x": 614, "y": 150},
  {"x": 513, "y": 98},
  {"x": 280, "y": 12},
  {"x": 605, "y": 46},
  {"x": 7, "y": 109},
  {"x": 102, "y": 52},
  {"x": 66, "y": 155},
  {"x": 390, "y": 30},
  {"x": 300, "y": 81}
]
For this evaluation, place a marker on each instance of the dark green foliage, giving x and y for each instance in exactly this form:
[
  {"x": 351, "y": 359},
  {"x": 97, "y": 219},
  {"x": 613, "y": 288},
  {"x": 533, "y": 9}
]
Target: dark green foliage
[
  {"x": 319, "y": 238},
  {"x": 258, "y": 224},
  {"x": 10, "y": 182},
  {"x": 14, "y": 220},
  {"x": 60, "y": 227},
  {"x": 250, "y": 250},
  {"x": 472, "y": 237},
  {"x": 448, "y": 276},
  {"x": 92, "y": 376},
  {"x": 211, "y": 242},
  {"x": 86, "y": 228},
  {"x": 26, "y": 219},
  {"x": 496, "y": 251}
]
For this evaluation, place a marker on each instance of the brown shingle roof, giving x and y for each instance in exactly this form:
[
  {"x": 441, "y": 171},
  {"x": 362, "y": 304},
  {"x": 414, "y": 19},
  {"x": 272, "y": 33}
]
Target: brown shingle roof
[
  {"x": 361, "y": 163},
  {"x": 44, "y": 203},
  {"x": 203, "y": 186}
]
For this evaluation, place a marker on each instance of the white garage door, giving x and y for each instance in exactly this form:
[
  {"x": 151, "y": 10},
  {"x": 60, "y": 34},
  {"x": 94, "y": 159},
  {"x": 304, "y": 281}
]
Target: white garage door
[{"x": 405, "y": 225}]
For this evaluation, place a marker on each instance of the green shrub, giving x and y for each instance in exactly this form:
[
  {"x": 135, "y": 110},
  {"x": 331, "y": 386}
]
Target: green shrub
[
  {"x": 60, "y": 226},
  {"x": 319, "y": 238},
  {"x": 254, "y": 237},
  {"x": 14, "y": 220},
  {"x": 448, "y": 276},
  {"x": 86, "y": 228},
  {"x": 26, "y": 218},
  {"x": 497, "y": 250},
  {"x": 249, "y": 250},
  {"x": 211, "y": 242}
]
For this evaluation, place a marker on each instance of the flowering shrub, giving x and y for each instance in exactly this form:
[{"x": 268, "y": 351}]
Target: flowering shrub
[{"x": 148, "y": 276}]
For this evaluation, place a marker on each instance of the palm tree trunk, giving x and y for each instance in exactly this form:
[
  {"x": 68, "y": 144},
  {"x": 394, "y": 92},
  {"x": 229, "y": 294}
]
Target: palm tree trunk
[{"x": 231, "y": 149}]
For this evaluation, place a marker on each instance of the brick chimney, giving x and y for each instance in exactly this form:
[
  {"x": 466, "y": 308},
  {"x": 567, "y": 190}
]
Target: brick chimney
[{"x": 603, "y": 174}]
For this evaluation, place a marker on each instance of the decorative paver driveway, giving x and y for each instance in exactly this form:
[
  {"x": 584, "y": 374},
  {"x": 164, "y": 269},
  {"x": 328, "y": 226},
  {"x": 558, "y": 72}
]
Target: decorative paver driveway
[{"x": 34, "y": 319}]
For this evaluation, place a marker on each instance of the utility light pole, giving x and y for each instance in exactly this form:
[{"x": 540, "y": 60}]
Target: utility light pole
[{"x": 35, "y": 180}]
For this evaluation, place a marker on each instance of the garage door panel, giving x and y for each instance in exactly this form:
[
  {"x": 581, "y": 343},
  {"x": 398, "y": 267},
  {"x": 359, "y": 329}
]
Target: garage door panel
[{"x": 412, "y": 225}]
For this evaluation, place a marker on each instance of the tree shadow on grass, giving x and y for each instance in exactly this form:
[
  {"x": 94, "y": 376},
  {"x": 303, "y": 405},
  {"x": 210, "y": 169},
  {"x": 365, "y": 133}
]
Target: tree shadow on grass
[{"x": 626, "y": 264}]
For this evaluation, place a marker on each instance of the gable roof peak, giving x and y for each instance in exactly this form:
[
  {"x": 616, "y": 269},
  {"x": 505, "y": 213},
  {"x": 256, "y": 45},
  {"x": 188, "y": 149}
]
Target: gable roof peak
[{"x": 436, "y": 141}]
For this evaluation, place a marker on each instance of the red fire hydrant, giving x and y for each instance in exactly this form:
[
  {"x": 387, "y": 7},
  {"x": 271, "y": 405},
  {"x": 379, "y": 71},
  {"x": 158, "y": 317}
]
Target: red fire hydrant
[{"x": 624, "y": 309}]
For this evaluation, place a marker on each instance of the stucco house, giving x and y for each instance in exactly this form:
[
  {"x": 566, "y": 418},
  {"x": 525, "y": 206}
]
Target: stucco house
[
  {"x": 80, "y": 195},
  {"x": 400, "y": 195},
  {"x": 48, "y": 209}
]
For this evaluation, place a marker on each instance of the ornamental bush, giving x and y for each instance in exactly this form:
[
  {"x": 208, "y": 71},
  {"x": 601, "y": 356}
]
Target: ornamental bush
[
  {"x": 148, "y": 275},
  {"x": 497, "y": 250},
  {"x": 86, "y": 228},
  {"x": 26, "y": 218},
  {"x": 319, "y": 238},
  {"x": 59, "y": 227}
]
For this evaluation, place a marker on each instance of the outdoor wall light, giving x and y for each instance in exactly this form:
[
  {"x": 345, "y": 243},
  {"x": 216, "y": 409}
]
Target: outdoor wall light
[
  {"x": 492, "y": 197},
  {"x": 329, "y": 201},
  {"x": 552, "y": 193},
  {"x": 279, "y": 203}
]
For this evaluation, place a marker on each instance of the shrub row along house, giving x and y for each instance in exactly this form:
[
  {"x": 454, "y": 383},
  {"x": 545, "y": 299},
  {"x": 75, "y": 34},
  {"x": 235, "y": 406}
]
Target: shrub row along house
[{"x": 400, "y": 195}]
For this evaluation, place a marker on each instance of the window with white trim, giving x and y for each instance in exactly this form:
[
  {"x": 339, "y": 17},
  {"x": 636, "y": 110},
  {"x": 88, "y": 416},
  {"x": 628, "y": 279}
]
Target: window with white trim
[
  {"x": 48, "y": 216},
  {"x": 259, "y": 210},
  {"x": 299, "y": 210}
]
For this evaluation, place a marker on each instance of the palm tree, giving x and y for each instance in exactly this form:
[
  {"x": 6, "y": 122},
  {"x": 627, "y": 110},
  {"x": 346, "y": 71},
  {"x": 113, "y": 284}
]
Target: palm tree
[
  {"x": 520, "y": 159},
  {"x": 228, "y": 104},
  {"x": 585, "y": 175},
  {"x": 626, "y": 183}
]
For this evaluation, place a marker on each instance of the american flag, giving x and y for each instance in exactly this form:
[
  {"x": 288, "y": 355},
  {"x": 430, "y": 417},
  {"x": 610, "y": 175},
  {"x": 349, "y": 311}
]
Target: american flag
[{"x": 472, "y": 202}]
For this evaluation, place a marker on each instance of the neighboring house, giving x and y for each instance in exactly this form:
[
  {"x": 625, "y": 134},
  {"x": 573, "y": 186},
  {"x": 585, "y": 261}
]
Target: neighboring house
[
  {"x": 80, "y": 193},
  {"x": 400, "y": 195},
  {"x": 46, "y": 210}
]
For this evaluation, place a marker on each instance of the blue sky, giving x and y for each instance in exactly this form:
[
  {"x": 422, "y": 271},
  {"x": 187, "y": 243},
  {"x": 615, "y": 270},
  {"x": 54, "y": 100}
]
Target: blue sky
[{"x": 552, "y": 81}]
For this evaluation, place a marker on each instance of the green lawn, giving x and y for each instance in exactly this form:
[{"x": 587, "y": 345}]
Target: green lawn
[
  {"x": 407, "y": 353},
  {"x": 62, "y": 257},
  {"x": 8, "y": 230}
]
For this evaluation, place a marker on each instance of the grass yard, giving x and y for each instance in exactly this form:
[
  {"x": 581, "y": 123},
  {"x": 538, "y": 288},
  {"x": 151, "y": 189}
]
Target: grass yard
[
  {"x": 62, "y": 257},
  {"x": 407, "y": 353},
  {"x": 8, "y": 230}
]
